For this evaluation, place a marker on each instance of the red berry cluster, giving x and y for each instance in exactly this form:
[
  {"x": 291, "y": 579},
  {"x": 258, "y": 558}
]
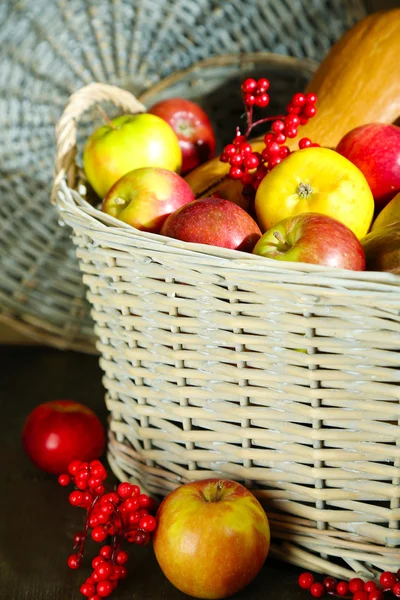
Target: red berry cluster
[
  {"x": 356, "y": 588},
  {"x": 123, "y": 514},
  {"x": 251, "y": 167}
]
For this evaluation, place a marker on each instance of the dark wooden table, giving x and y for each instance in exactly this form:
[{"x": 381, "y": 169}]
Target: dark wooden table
[{"x": 36, "y": 521}]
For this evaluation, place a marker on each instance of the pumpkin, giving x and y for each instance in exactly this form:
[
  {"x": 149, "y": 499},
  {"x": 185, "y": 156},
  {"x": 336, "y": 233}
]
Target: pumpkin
[{"x": 357, "y": 83}]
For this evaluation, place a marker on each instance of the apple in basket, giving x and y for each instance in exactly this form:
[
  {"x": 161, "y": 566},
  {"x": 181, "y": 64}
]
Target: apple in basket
[
  {"x": 145, "y": 197},
  {"x": 313, "y": 238},
  {"x": 212, "y": 538},
  {"x": 375, "y": 150},
  {"x": 126, "y": 143},
  {"x": 213, "y": 221},
  {"x": 315, "y": 180},
  {"x": 193, "y": 128}
]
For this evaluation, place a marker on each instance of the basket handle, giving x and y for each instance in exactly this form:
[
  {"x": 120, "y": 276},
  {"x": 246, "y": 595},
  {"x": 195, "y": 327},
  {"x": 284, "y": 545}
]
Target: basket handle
[{"x": 66, "y": 128}]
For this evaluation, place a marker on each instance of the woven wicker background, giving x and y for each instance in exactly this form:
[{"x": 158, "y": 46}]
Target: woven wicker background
[{"x": 48, "y": 49}]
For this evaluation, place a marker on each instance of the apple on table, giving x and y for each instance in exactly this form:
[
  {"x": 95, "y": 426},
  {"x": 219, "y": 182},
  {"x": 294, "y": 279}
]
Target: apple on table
[
  {"x": 126, "y": 143},
  {"x": 212, "y": 538},
  {"x": 192, "y": 127}
]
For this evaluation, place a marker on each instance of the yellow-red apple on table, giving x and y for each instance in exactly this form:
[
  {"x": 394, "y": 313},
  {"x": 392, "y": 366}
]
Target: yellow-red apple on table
[
  {"x": 315, "y": 180},
  {"x": 313, "y": 238},
  {"x": 389, "y": 214},
  {"x": 126, "y": 143},
  {"x": 375, "y": 150},
  {"x": 192, "y": 127},
  {"x": 212, "y": 538},
  {"x": 144, "y": 198},
  {"x": 213, "y": 221}
]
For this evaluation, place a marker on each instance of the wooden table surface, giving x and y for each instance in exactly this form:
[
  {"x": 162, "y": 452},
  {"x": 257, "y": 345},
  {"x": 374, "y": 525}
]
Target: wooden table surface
[{"x": 37, "y": 523}]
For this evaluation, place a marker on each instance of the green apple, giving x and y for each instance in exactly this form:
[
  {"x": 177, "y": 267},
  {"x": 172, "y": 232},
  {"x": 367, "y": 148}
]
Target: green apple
[{"x": 126, "y": 143}]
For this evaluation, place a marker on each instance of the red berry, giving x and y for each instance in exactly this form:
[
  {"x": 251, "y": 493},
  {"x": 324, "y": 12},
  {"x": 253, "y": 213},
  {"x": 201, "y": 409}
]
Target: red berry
[
  {"x": 304, "y": 143},
  {"x": 396, "y": 589},
  {"x": 342, "y": 588},
  {"x": 376, "y": 595},
  {"x": 235, "y": 160},
  {"x": 75, "y": 498},
  {"x": 122, "y": 572},
  {"x": 293, "y": 110},
  {"x": 262, "y": 84},
  {"x": 277, "y": 126},
  {"x": 309, "y": 111},
  {"x": 268, "y": 138},
  {"x": 148, "y": 523},
  {"x": 239, "y": 139},
  {"x": 104, "y": 588},
  {"x": 369, "y": 586},
  {"x": 250, "y": 99},
  {"x": 104, "y": 570},
  {"x": 361, "y": 595},
  {"x": 249, "y": 85},
  {"x": 95, "y": 597},
  {"x": 311, "y": 98},
  {"x": 87, "y": 499},
  {"x": 135, "y": 490},
  {"x": 274, "y": 161},
  {"x": 99, "y": 490},
  {"x": 387, "y": 580},
  {"x": 73, "y": 561},
  {"x": 97, "y": 470},
  {"x": 64, "y": 479},
  {"x": 280, "y": 138},
  {"x": 121, "y": 557},
  {"x": 303, "y": 120},
  {"x": 305, "y": 580},
  {"x": 94, "y": 482},
  {"x": 245, "y": 148},
  {"x": 97, "y": 561},
  {"x": 284, "y": 151},
  {"x": 99, "y": 534},
  {"x": 235, "y": 172},
  {"x": 298, "y": 99},
  {"x": 228, "y": 150},
  {"x": 106, "y": 551},
  {"x": 317, "y": 590},
  {"x": 290, "y": 131},
  {"x": 87, "y": 589},
  {"x": 251, "y": 161},
  {"x": 273, "y": 148},
  {"x": 74, "y": 466},
  {"x": 329, "y": 584},
  {"x": 262, "y": 100},
  {"x": 134, "y": 518},
  {"x": 356, "y": 584}
]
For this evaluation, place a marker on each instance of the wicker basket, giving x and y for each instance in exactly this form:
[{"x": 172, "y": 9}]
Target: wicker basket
[
  {"x": 198, "y": 348},
  {"x": 51, "y": 48}
]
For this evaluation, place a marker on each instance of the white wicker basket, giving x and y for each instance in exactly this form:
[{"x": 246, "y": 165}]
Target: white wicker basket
[{"x": 198, "y": 348}]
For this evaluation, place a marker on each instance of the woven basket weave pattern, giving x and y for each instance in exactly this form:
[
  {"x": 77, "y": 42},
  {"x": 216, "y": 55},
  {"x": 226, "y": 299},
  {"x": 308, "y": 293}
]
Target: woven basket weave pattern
[
  {"x": 51, "y": 48},
  {"x": 204, "y": 365}
]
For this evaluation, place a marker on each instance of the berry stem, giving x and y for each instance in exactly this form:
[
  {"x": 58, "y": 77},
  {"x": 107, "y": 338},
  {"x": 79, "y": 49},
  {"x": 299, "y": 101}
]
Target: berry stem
[{"x": 251, "y": 126}]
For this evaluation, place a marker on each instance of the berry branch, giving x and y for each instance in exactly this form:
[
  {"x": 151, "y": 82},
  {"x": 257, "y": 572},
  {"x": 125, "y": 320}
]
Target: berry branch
[
  {"x": 355, "y": 589},
  {"x": 122, "y": 515},
  {"x": 251, "y": 167}
]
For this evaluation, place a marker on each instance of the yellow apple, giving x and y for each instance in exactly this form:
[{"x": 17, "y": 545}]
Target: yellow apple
[
  {"x": 390, "y": 214},
  {"x": 315, "y": 180},
  {"x": 129, "y": 142}
]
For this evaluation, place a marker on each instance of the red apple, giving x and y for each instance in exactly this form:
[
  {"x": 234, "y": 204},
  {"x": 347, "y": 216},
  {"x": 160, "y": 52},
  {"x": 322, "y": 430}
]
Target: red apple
[
  {"x": 212, "y": 538},
  {"x": 375, "y": 150},
  {"x": 213, "y": 221},
  {"x": 192, "y": 127},
  {"x": 313, "y": 238},
  {"x": 145, "y": 197},
  {"x": 55, "y": 433}
]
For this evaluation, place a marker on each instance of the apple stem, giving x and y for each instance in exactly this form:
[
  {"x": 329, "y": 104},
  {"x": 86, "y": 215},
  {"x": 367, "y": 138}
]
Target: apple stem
[
  {"x": 281, "y": 239},
  {"x": 304, "y": 190},
  {"x": 106, "y": 117}
]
